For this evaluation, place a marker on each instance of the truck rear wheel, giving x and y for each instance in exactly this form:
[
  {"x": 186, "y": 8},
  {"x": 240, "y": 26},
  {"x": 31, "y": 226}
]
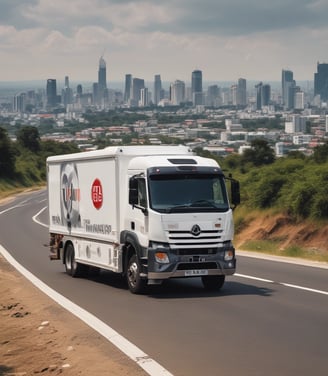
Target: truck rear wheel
[
  {"x": 213, "y": 282},
  {"x": 72, "y": 267},
  {"x": 136, "y": 284}
]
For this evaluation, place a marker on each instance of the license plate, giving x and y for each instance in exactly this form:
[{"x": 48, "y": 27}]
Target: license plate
[{"x": 196, "y": 272}]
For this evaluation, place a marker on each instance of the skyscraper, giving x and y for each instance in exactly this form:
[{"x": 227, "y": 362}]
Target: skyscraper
[
  {"x": 258, "y": 88},
  {"x": 197, "y": 87},
  {"x": 287, "y": 85},
  {"x": 241, "y": 92},
  {"x": 67, "y": 93},
  {"x": 51, "y": 90},
  {"x": 128, "y": 87},
  {"x": 177, "y": 91},
  {"x": 233, "y": 94},
  {"x": 137, "y": 85},
  {"x": 100, "y": 91},
  {"x": 266, "y": 95},
  {"x": 157, "y": 89},
  {"x": 102, "y": 81},
  {"x": 144, "y": 97},
  {"x": 213, "y": 98},
  {"x": 321, "y": 81}
]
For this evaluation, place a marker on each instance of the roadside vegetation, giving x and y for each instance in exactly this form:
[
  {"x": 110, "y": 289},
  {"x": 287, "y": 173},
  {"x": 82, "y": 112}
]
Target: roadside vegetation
[
  {"x": 295, "y": 185},
  {"x": 22, "y": 163}
]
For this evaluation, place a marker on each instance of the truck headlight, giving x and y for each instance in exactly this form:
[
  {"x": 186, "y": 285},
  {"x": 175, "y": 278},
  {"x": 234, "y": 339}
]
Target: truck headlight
[{"x": 156, "y": 245}]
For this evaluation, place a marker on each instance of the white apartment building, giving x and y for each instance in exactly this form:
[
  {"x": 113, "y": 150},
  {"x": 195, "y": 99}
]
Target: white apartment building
[
  {"x": 299, "y": 100},
  {"x": 178, "y": 92},
  {"x": 301, "y": 139},
  {"x": 295, "y": 124}
]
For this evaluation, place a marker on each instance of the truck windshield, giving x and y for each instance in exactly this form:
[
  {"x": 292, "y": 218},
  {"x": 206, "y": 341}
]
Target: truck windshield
[{"x": 187, "y": 193}]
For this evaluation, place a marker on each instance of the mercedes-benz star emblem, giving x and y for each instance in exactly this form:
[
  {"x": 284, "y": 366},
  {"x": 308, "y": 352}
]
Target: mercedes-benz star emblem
[{"x": 195, "y": 230}]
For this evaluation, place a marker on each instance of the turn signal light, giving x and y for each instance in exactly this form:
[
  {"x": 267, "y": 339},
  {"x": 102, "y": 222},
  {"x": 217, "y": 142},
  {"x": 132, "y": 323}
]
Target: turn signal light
[
  {"x": 162, "y": 257},
  {"x": 228, "y": 255}
]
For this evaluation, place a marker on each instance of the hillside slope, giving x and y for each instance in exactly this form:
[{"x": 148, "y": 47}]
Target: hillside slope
[{"x": 283, "y": 234}]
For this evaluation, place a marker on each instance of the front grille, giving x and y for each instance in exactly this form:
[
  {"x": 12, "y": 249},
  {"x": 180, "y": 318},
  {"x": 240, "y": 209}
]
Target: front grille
[
  {"x": 197, "y": 265},
  {"x": 206, "y": 239}
]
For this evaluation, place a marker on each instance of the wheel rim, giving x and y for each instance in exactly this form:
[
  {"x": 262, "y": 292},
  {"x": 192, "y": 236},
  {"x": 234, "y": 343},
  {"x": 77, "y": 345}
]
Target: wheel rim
[
  {"x": 133, "y": 273},
  {"x": 69, "y": 259}
]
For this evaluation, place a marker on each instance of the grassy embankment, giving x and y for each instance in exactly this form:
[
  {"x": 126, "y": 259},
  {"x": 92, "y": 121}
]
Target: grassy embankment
[{"x": 273, "y": 232}]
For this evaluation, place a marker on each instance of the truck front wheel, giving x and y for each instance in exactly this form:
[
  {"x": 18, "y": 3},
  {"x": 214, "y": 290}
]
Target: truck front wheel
[
  {"x": 135, "y": 282},
  {"x": 213, "y": 282},
  {"x": 72, "y": 267}
]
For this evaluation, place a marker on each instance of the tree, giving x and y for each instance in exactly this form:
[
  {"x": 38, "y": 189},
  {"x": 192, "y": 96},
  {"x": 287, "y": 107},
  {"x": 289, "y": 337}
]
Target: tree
[
  {"x": 320, "y": 154},
  {"x": 29, "y": 138},
  {"x": 260, "y": 153},
  {"x": 7, "y": 155}
]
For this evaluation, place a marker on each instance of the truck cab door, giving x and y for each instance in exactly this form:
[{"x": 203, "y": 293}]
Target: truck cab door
[{"x": 139, "y": 201}]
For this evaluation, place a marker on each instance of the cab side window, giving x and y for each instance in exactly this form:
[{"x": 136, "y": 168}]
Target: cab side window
[{"x": 142, "y": 193}]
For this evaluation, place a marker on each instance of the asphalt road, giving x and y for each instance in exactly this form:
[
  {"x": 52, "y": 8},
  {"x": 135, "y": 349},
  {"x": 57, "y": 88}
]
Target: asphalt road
[{"x": 271, "y": 318}]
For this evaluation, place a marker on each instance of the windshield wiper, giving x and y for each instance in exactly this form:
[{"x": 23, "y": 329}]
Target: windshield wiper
[
  {"x": 177, "y": 207},
  {"x": 205, "y": 203}
]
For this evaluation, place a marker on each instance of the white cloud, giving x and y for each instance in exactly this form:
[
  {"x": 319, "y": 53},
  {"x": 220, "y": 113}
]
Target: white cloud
[{"x": 225, "y": 38}]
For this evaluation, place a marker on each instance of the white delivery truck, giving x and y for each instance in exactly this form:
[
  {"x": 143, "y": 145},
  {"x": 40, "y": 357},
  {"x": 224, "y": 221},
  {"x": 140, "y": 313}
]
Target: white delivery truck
[{"x": 147, "y": 212}]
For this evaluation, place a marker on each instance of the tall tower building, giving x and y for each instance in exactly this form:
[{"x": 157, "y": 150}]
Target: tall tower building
[
  {"x": 233, "y": 94},
  {"x": 178, "y": 92},
  {"x": 197, "y": 87},
  {"x": 137, "y": 85},
  {"x": 100, "y": 91},
  {"x": 66, "y": 81},
  {"x": 287, "y": 86},
  {"x": 299, "y": 100},
  {"x": 266, "y": 95},
  {"x": 128, "y": 87},
  {"x": 157, "y": 89},
  {"x": 51, "y": 90},
  {"x": 144, "y": 97},
  {"x": 67, "y": 93},
  {"x": 241, "y": 92},
  {"x": 102, "y": 81},
  {"x": 20, "y": 101},
  {"x": 213, "y": 98},
  {"x": 321, "y": 81},
  {"x": 258, "y": 88}
]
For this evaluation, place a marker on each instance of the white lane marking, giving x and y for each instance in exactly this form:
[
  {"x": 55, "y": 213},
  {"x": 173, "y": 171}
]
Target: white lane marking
[
  {"x": 37, "y": 214},
  {"x": 18, "y": 205},
  {"x": 11, "y": 208},
  {"x": 255, "y": 278},
  {"x": 142, "y": 359},
  {"x": 305, "y": 288},
  {"x": 282, "y": 284}
]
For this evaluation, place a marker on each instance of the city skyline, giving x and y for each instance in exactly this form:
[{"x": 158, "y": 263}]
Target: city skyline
[{"x": 226, "y": 40}]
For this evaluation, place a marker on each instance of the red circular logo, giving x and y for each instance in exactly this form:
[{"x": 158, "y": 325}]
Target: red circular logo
[{"x": 97, "y": 194}]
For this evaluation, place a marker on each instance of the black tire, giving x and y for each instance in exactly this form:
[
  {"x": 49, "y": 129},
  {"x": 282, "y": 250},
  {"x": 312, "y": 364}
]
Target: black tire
[
  {"x": 136, "y": 284},
  {"x": 73, "y": 268},
  {"x": 213, "y": 282}
]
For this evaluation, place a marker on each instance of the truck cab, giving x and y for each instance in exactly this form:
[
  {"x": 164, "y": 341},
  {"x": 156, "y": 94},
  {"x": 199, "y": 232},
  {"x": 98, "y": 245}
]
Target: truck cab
[{"x": 178, "y": 221}]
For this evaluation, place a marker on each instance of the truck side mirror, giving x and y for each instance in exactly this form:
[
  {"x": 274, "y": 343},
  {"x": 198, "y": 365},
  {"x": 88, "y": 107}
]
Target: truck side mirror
[
  {"x": 235, "y": 192},
  {"x": 133, "y": 191}
]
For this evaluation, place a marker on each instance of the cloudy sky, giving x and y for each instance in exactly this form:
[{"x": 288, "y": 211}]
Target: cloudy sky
[{"x": 226, "y": 39}]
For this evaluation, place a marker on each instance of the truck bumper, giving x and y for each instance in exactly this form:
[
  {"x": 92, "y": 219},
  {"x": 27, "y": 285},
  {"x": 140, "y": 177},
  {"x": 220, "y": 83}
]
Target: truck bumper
[{"x": 184, "y": 266}]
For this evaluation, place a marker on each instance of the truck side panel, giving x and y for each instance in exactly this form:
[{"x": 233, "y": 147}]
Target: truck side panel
[{"x": 83, "y": 206}]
